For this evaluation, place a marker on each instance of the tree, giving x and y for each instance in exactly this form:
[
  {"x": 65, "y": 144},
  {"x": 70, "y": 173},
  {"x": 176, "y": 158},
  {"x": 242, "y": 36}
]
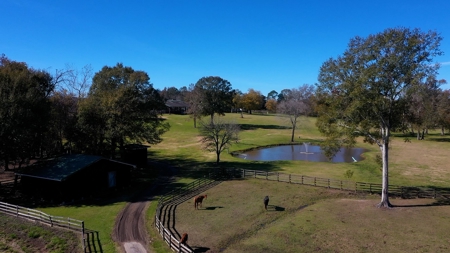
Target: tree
[
  {"x": 362, "y": 92},
  {"x": 283, "y": 95},
  {"x": 170, "y": 93},
  {"x": 271, "y": 105},
  {"x": 252, "y": 100},
  {"x": 422, "y": 101},
  {"x": 272, "y": 95},
  {"x": 24, "y": 111},
  {"x": 193, "y": 97},
  {"x": 218, "y": 135},
  {"x": 216, "y": 95},
  {"x": 443, "y": 110},
  {"x": 296, "y": 103},
  {"x": 237, "y": 102},
  {"x": 122, "y": 106}
]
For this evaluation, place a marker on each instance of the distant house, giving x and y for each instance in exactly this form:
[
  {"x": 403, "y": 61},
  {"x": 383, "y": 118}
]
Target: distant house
[
  {"x": 74, "y": 175},
  {"x": 176, "y": 106}
]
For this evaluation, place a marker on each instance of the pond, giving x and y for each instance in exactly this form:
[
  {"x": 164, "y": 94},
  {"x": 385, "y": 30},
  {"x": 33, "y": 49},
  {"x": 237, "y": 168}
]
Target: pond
[{"x": 304, "y": 152}]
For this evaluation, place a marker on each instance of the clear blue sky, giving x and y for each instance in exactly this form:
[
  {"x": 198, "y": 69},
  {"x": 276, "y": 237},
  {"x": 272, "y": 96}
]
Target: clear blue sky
[{"x": 259, "y": 44}]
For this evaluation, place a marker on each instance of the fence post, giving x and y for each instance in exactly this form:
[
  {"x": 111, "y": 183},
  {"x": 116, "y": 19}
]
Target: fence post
[
  {"x": 289, "y": 178},
  {"x": 370, "y": 188},
  {"x": 328, "y": 183},
  {"x": 302, "y": 179},
  {"x": 17, "y": 211},
  {"x": 82, "y": 235},
  {"x": 341, "y": 185},
  {"x": 278, "y": 176},
  {"x": 267, "y": 175},
  {"x": 68, "y": 221},
  {"x": 314, "y": 181}
]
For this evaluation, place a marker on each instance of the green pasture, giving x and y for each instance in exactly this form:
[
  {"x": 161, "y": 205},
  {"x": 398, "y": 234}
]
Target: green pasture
[
  {"x": 97, "y": 217},
  {"x": 314, "y": 219},
  {"x": 411, "y": 162},
  {"x": 415, "y": 163},
  {"x": 309, "y": 219}
]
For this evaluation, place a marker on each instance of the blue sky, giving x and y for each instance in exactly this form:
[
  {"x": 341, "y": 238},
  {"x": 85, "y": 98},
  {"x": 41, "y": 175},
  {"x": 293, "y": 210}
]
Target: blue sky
[{"x": 264, "y": 45}]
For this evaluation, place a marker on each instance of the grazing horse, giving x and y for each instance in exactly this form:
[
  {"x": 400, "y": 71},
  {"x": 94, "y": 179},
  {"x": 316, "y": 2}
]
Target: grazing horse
[
  {"x": 184, "y": 239},
  {"x": 198, "y": 201},
  {"x": 266, "y": 202}
]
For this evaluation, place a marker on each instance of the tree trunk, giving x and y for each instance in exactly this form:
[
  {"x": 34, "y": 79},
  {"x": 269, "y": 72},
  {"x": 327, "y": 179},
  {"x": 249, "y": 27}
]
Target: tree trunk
[
  {"x": 385, "y": 183},
  {"x": 293, "y": 133}
]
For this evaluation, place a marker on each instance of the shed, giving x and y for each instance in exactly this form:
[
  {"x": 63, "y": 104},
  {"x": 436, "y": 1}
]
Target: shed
[{"x": 74, "y": 175}]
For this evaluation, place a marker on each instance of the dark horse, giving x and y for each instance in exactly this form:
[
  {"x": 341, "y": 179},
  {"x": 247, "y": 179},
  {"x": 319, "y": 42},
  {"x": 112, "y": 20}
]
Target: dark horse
[
  {"x": 266, "y": 202},
  {"x": 198, "y": 201}
]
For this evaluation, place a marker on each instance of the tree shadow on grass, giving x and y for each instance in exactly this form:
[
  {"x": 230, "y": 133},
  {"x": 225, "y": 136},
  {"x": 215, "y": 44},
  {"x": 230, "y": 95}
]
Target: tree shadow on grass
[
  {"x": 253, "y": 127},
  {"x": 438, "y": 202}
]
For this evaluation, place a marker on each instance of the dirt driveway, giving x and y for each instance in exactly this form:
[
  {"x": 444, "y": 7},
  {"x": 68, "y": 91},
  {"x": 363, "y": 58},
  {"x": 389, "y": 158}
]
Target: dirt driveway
[{"x": 130, "y": 230}]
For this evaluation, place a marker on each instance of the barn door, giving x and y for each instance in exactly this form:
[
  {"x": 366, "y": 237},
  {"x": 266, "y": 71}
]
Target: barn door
[{"x": 111, "y": 179}]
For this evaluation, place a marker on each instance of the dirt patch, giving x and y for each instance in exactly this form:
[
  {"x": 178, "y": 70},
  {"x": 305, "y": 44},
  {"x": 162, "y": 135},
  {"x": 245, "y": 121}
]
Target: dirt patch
[{"x": 18, "y": 235}]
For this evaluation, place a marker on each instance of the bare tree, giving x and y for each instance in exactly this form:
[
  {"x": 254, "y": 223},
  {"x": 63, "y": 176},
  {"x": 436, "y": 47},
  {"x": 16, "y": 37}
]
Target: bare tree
[
  {"x": 193, "y": 98},
  {"x": 218, "y": 135},
  {"x": 295, "y": 104}
]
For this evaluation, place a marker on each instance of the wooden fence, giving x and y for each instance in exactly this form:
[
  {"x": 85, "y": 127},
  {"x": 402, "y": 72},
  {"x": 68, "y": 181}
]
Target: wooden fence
[
  {"x": 38, "y": 216},
  {"x": 406, "y": 192},
  {"x": 171, "y": 197},
  {"x": 179, "y": 193}
]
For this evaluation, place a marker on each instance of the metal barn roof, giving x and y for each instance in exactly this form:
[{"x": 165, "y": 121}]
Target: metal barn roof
[{"x": 58, "y": 169}]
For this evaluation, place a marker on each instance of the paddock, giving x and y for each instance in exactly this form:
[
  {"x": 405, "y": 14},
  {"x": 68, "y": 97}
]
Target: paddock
[{"x": 297, "y": 220}]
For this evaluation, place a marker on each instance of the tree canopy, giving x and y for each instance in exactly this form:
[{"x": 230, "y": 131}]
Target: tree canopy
[
  {"x": 122, "y": 106},
  {"x": 24, "y": 110},
  {"x": 362, "y": 92},
  {"x": 216, "y": 95}
]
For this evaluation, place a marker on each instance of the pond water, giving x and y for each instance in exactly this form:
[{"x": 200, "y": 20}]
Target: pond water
[{"x": 304, "y": 152}]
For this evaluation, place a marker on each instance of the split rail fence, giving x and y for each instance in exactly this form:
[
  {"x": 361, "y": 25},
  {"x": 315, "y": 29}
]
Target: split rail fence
[
  {"x": 169, "y": 198},
  {"x": 406, "y": 192},
  {"x": 41, "y": 217}
]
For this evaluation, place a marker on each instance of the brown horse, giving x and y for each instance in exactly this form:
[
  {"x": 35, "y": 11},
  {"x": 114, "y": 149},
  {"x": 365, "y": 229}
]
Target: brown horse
[
  {"x": 184, "y": 238},
  {"x": 198, "y": 201}
]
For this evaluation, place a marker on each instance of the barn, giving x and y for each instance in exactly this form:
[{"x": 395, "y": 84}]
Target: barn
[{"x": 75, "y": 175}]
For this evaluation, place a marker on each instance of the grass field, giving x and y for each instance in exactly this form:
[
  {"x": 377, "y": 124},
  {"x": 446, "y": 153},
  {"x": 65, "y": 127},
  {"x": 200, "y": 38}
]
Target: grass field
[
  {"x": 313, "y": 220},
  {"x": 309, "y": 219}
]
